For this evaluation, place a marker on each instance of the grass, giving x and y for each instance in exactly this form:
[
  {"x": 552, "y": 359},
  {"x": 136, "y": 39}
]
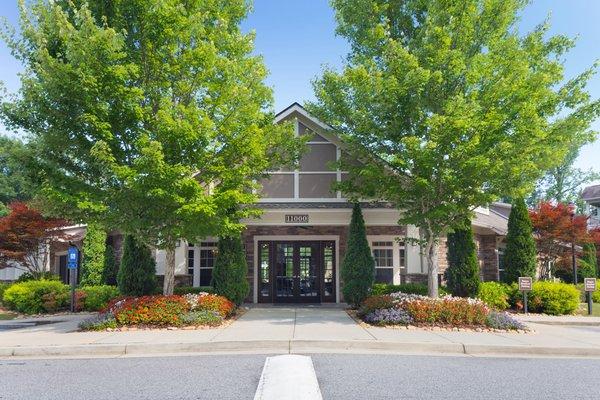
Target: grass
[
  {"x": 4, "y": 315},
  {"x": 583, "y": 309}
]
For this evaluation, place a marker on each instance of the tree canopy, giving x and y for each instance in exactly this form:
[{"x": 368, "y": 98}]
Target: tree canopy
[
  {"x": 448, "y": 107},
  {"x": 150, "y": 116}
]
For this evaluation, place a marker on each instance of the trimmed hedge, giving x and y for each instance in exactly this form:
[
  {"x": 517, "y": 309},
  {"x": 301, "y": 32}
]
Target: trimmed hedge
[
  {"x": 34, "y": 297},
  {"x": 553, "y": 298},
  {"x": 494, "y": 294},
  {"x": 409, "y": 288},
  {"x": 3, "y": 287}
]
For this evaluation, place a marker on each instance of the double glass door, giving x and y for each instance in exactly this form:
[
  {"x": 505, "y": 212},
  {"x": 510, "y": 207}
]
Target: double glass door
[{"x": 296, "y": 271}]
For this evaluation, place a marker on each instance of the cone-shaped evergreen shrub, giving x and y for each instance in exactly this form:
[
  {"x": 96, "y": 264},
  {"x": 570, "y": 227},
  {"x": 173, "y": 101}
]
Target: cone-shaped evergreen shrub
[
  {"x": 109, "y": 273},
  {"x": 358, "y": 267},
  {"x": 230, "y": 270},
  {"x": 462, "y": 275},
  {"x": 93, "y": 255},
  {"x": 137, "y": 274},
  {"x": 588, "y": 265},
  {"x": 520, "y": 254}
]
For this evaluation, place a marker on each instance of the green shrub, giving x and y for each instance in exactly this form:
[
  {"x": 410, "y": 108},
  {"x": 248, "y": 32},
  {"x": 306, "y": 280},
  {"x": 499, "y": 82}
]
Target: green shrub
[
  {"x": 33, "y": 297},
  {"x": 192, "y": 289},
  {"x": 3, "y": 287},
  {"x": 97, "y": 297},
  {"x": 358, "y": 267},
  {"x": 553, "y": 298},
  {"x": 494, "y": 294},
  {"x": 110, "y": 269},
  {"x": 92, "y": 262},
  {"x": 462, "y": 274},
  {"x": 520, "y": 255},
  {"x": 137, "y": 274},
  {"x": 229, "y": 277},
  {"x": 409, "y": 288},
  {"x": 28, "y": 276}
]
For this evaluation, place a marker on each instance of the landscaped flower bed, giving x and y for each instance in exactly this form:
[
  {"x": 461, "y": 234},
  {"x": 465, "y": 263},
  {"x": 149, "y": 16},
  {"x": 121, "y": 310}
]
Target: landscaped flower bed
[
  {"x": 400, "y": 309},
  {"x": 190, "y": 311}
]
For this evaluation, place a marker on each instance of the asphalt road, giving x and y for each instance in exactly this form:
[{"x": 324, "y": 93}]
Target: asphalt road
[{"x": 340, "y": 377}]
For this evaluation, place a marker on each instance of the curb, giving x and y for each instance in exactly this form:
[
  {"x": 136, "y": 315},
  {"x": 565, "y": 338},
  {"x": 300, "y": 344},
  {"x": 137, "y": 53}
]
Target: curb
[{"x": 293, "y": 347}]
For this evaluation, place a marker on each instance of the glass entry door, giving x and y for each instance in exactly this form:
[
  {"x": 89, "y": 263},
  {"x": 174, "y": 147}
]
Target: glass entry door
[{"x": 297, "y": 272}]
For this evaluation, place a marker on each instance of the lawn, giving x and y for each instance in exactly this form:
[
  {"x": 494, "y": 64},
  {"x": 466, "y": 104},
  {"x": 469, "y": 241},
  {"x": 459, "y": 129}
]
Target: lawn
[
  {"x": 583, "y": 310},
  {"x": 4, "y": 315}
]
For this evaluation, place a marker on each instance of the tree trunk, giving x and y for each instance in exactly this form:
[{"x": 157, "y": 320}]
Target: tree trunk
[
  {"x": 431, "y": 251},
  {"x": 169, "y": 282}
]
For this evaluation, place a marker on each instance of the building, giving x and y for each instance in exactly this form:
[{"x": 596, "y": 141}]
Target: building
[
  {"x": 591, "y": 196},
  {"x": 294, "y": 250}
]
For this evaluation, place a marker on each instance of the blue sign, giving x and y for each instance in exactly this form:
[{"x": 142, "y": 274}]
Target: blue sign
[{"x": 73, "y": 257}]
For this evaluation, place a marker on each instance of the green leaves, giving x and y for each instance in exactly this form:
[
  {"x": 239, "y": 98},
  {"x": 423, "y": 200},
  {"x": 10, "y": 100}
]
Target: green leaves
[
  {"x": 460, "y": 107},
  {"x": 149, "y": 115}
]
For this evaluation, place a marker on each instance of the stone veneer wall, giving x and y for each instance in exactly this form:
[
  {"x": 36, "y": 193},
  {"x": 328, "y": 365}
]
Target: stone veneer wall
[
  {"x": 485, "y": 246},
  {"x": 309, "y": 230}
]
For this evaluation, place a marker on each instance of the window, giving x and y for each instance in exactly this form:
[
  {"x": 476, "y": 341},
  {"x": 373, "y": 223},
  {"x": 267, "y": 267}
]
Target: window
[
  {"x": 390, "y": 259},
  {"x": 208, "y": 254},
  {"x": 501, "y": 265},
  {"x": 201, "y": 260},
  {"x": 383, "y": 254},
  {"x": 190, "y": 263}
]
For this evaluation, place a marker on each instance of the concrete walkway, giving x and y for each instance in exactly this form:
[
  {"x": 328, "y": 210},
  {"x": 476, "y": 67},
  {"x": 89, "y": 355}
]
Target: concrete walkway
[{"x": 289, "y": 330}]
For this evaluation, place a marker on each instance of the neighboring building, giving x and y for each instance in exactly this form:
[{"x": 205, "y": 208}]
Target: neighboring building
[
  {"x": 294, "y": 250},
  {"x": 591, "y": 197}
]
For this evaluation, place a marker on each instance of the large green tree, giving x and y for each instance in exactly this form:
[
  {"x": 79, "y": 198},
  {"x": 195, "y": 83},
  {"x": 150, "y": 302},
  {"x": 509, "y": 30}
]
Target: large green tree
[
  {"x": 149, "y": 115},
  {"x": 520, "y": 257},
  {"x": 448, "y": 107},
  {"x": 358, "y": 266},
  {"x": 462, "y": 274},
  {"x": 14, "y": 182}
]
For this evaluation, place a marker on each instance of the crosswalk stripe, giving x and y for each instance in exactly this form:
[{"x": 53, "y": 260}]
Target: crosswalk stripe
[{"x": 288, "y": 377}]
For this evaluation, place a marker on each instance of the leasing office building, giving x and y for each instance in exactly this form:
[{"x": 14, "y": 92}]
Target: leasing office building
[{"x": 294, "y": 250}]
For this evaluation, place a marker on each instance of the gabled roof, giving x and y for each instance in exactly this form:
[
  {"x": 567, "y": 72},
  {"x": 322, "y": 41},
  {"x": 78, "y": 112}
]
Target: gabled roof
[
  {"x": 591, "y": 193},
  {"x": 296, "y": 107}
]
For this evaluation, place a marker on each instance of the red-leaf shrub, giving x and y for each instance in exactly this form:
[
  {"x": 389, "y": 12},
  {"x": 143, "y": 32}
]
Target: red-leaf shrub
[
  {"x": 150, "y": 310},
  {"x": 213, "y": 302}
]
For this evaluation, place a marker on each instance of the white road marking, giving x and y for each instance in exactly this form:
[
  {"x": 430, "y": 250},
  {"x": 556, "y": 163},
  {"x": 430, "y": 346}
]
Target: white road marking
[{"x": 288, "y": 377}]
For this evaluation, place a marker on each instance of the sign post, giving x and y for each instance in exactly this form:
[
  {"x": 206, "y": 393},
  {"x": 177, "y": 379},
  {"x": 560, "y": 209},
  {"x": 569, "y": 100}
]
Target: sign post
[
  {"x": 590, "y": 286},
  {"x": 525, "y": 283},
  {"x": 72, "y": 264}
]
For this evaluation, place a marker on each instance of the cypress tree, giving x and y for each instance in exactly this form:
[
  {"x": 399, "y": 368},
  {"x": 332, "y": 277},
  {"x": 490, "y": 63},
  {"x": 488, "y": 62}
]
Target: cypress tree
[
  {"x": 588, "y": 265},
  {"x": 93, "y": 250},
  {"x": 230, "y": 270},
  {"x": 358, "y": 267},
  {"x": 137, "y": 274},
  {"x": 520, "y": 255},
  {"x": 462, "y": 275},
  {"x": 109, "y": 273}
]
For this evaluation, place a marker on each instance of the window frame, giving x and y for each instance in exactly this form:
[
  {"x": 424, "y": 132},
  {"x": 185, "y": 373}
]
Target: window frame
[
  {"x": 399, "y": 254},
  {"x": 206, "y": 244}
]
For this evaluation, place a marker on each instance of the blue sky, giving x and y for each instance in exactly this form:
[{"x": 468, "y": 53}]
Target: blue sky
[{"x": 296, "y": 38}]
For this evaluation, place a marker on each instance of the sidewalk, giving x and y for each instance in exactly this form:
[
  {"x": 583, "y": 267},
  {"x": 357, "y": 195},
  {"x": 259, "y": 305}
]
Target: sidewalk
[{"x": 291, "y": 330}]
